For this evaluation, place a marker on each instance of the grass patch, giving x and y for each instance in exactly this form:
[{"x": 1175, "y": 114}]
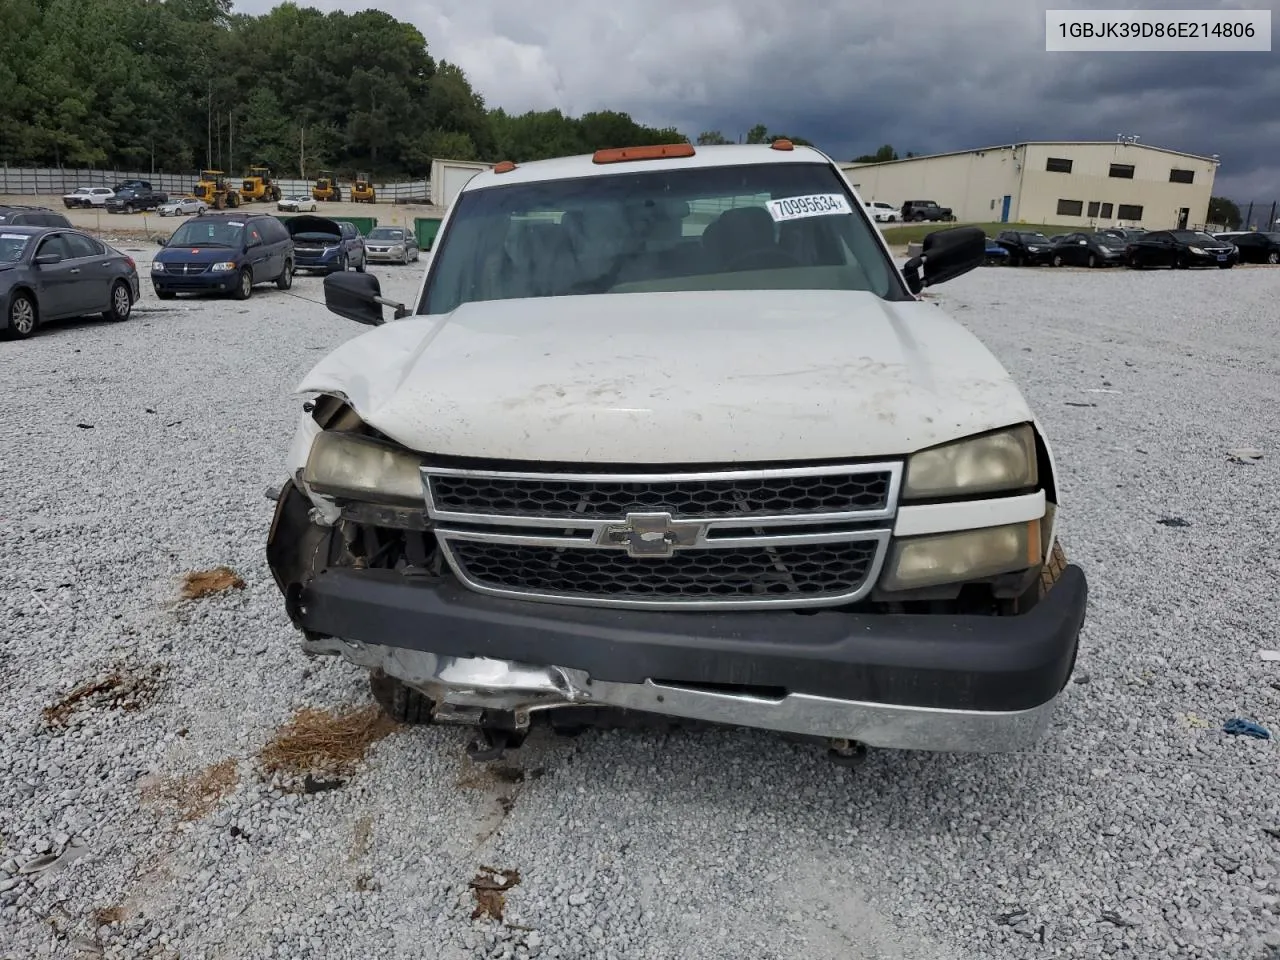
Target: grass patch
[
  {"x": 915, "y": 232},
  {"x": 205, "y": 583},
  {"x": 325, "y": 742}
]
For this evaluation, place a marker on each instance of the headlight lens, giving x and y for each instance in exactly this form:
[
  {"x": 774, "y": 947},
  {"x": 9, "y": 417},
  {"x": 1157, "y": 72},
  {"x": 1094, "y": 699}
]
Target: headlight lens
[
  {"x": 157, "y": 267},
  {"x": 1198, "y": 251},
  {"x": 1005, "y": 460},
  {"x": 223, "y": 267},
  {"x": 348, "y": 466},
  {"x": 968, "y": 555}
]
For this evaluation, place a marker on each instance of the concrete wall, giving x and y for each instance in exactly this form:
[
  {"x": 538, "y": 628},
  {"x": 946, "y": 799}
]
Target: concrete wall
[
  {"x": 1090, "y": 182},
  {"x": 972, "y": 184}
]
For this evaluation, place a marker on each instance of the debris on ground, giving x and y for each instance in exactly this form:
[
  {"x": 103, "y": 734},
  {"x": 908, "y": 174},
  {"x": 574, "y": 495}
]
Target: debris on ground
[
  {"x": 490, "y": 886},
  {"x": 1239, "y": 727},
  {"x": 1244, "y": 455},
  {"x": 49, "y": 862},
  {"x": 195, "y": 795},
  {"x": 205, "y": 583},
  {"x": 1173, "y": 522},
  {"x": 320, "y": 741},
  {"x": 121, "y": 689},
  {"x": 1196, "y": 722},
  {"x": 108, "y": 916},
  {"x": 1270, "y": 656}
]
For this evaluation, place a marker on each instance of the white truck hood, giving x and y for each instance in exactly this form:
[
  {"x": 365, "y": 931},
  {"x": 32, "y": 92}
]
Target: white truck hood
[{"x": 675, "y": 377}]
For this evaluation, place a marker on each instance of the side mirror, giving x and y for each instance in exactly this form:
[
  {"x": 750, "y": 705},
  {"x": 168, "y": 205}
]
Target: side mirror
[
  {"x": 945, "y": 255},
  {"x": 48, "y": 259},
  {"x": 358, "y": 297}
]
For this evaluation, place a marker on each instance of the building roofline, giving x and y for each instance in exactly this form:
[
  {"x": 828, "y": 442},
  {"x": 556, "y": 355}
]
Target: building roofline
[{"x": 1028, "y": 143}]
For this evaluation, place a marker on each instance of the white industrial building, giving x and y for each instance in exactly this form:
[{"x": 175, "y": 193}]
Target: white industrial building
[{"x": 1061, "y": 182}]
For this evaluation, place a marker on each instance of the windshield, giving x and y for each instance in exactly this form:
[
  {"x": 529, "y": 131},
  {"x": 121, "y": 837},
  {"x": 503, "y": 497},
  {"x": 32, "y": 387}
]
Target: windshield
[
  {"x": 1034, "y": 237},
  {"x": 1193, "y": 236},
  {"x": 11, "y": 246},
  {"x": 208, "y": 233},
  {"x": 317, "y": 236},
  {"x": 774, "y": 226},
  {"x": 385, "y": 233}
]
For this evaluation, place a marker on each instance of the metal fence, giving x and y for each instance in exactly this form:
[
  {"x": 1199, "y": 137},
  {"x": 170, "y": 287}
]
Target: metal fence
[
  {"x": 1259, "y": 215},
  {"x": 55, "y": 181}
]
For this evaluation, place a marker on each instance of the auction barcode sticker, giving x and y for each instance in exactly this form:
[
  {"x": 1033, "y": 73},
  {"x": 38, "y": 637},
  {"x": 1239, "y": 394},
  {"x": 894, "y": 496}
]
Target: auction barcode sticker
[
  {"x": 1140, "y": 31},
  {"x": 814, "y": 205}
]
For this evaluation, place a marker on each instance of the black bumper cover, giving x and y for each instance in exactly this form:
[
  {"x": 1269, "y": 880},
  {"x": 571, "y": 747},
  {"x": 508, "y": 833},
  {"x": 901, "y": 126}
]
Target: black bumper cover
[{"x": 984, "y": 663}]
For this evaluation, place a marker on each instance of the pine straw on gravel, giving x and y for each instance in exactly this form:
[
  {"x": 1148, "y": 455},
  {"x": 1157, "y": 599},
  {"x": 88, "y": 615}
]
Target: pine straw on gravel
[
  {"x": 204, "y": 583},
  {"x": 195, "y": 796},
  {"x": 323, "y": 741}
]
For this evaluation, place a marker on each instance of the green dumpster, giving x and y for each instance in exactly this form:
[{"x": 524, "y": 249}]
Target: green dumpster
[{"x": 426, "y": 228}]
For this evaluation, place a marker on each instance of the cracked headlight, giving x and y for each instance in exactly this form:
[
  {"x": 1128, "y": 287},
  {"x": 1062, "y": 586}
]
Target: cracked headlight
[
  {"x": 358, "y": 468},
  {"x": 1003, "y": 460},
  {"x": 968, "y": 555}
]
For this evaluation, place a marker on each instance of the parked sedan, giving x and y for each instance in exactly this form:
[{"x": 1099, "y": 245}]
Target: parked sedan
[
  {"x": 51, "y": 274},
  {"x": 296, "y": 204},
  {"x": 1254, "y": 247},
  {"x": 996, "y": 255},
  {"x": 882, "y": 212},
  {"x": 87, "y": 197},
  {"x": 1026, "y": 247},
  {"x": 391, "y": 245},
  {"x": 183, "y": 207},
  {"x": 1179, "y": 249},
  {"x": 1088, "y": 250}
]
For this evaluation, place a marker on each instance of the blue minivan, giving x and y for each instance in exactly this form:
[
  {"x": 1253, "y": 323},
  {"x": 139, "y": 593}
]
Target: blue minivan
[{"x": 224, "y": 253}]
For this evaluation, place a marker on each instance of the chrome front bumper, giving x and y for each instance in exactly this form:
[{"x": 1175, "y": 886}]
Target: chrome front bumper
[{"x": 482, "y": 683}]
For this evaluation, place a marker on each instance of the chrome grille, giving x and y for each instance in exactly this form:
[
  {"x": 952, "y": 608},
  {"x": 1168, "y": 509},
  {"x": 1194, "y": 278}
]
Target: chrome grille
[
  {"x": 185, "y": 269},
  {"x": 744, "y": 496},
  {"x": 786, "y": 537},
  {"x": 746, "y": 573}
]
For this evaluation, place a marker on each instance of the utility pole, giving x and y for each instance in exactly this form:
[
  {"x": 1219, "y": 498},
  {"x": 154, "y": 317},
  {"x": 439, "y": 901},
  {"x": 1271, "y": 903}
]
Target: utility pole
[
  {"x": 302, "y": 152},
  {"x": 231, "y": 142},
  {"x": 208, "y": 150}
]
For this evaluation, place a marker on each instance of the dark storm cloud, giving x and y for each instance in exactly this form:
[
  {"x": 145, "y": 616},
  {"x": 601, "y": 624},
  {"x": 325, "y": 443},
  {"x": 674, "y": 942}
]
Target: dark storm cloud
[{"x": 924, "y": 75}]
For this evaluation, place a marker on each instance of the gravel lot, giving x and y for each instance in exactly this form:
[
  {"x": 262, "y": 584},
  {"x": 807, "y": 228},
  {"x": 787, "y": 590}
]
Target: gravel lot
[{"x": 136, "y": 453}]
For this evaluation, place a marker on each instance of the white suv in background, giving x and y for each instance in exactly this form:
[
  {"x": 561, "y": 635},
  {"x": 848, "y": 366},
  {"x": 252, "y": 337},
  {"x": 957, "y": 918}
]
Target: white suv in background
[{"x": 882, "y": 212}]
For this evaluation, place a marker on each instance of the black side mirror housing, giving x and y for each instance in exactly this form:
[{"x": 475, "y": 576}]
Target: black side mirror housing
[
  {"x": 945, "y": 255},
  {"x": 358, "y": 297},
  {"x": 48, "y": 260}
]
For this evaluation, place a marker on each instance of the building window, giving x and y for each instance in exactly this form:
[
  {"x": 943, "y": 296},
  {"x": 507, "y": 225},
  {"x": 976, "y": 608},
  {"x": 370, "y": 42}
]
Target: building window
[
  {"x": 1093, "y": 208},
  {"x": 1058, "y": 165},
  {"x": 1106, "y": 211},
  {"x": 1129, "y": 211},
  {"x": 1070, "y": 208},
  {"x": 1123, "y": 171},
  {"x": 1182, "y": 176}
]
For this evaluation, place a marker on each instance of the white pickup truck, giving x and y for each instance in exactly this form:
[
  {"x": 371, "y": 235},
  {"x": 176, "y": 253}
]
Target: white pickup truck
[{"x": 668, "y": 432}]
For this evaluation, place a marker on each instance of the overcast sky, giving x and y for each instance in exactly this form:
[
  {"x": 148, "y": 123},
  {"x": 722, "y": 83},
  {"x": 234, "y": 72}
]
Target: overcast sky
[{"x": 923, "y": 75}]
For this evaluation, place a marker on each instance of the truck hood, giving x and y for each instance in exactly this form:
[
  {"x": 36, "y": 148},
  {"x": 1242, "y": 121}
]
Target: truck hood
[{"x": 674, "y": 377}]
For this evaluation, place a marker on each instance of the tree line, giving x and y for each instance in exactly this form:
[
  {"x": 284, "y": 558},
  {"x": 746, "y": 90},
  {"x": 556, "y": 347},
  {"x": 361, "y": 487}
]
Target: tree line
[
  {"x": 181, "y": 84},
  {"x": 178, "y": 85}
]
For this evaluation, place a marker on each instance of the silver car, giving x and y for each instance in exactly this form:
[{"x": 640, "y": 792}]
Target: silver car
[
  {"x": 183, "y": 206},
  {"x": 391, "y": 245}
]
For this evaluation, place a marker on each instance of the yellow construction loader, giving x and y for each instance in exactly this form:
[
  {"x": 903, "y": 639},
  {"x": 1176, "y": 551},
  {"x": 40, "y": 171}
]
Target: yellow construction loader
[
  {"x": 326, "y": 187},
  {"x": 214, "y": 190},
  {"x": 258, "y": 185},
  {"x": 362, "y": 190}
]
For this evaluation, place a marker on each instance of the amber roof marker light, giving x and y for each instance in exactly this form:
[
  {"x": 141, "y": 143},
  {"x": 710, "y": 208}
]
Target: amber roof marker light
[
  {"x": 662, "y": 151},
  {"x": 506, "y": 166},
  {"x": 783, "y": 145}
]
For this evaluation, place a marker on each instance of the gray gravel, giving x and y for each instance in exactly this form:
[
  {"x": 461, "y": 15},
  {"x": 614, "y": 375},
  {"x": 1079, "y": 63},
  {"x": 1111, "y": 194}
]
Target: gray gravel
[{"x": 1137, "y": 828}]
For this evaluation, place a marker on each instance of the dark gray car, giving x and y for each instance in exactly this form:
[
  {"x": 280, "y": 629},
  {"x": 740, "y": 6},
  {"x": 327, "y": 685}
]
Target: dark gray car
[{"x": 51, "y": 274}]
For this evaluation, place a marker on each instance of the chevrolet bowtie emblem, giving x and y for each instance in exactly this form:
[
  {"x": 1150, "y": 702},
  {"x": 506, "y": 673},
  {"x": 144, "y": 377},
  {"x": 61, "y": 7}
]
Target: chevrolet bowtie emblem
[{"x": 652, "y": 534}]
